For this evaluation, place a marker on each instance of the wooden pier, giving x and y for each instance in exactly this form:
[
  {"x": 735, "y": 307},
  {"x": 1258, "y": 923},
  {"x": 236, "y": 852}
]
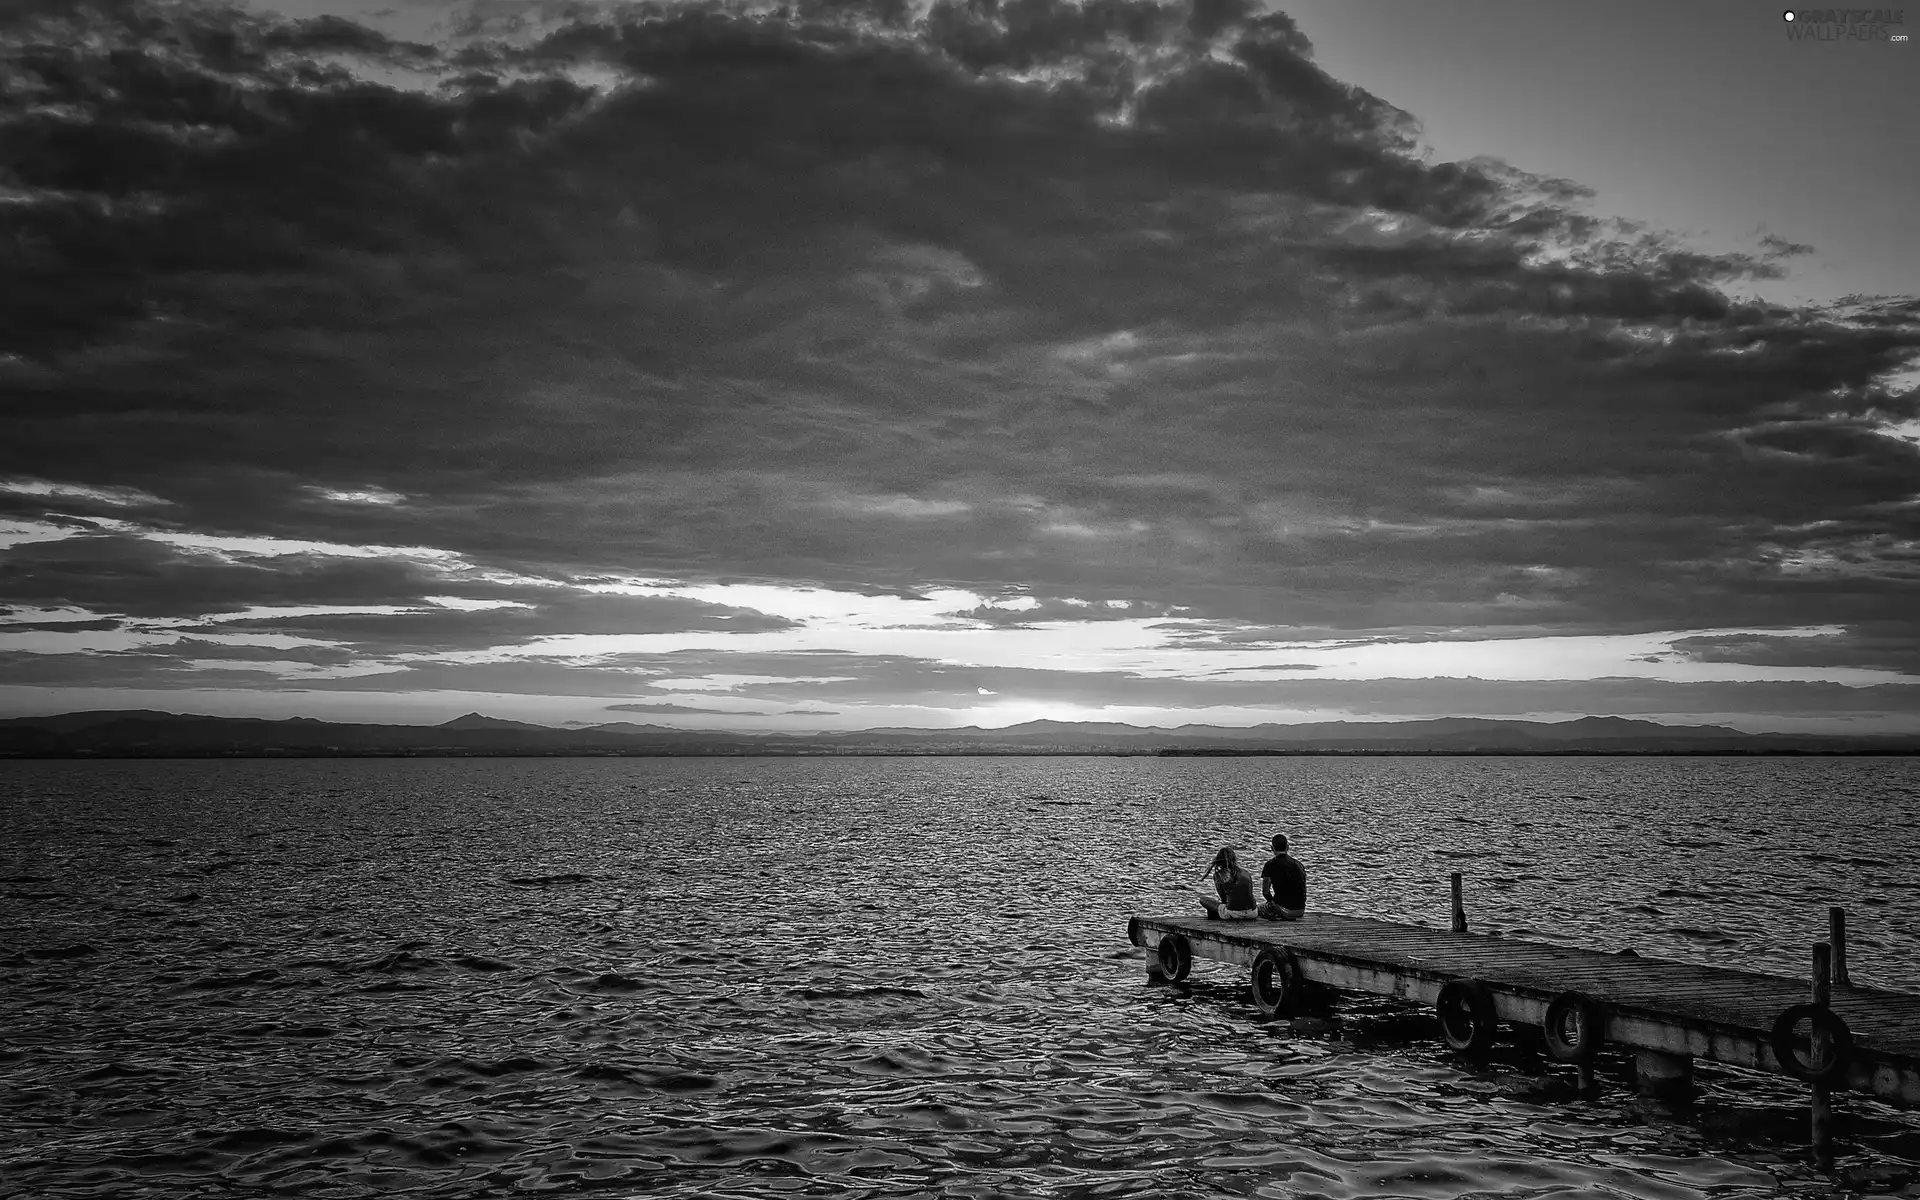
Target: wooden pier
[{"x": 1668, "y": 1013}]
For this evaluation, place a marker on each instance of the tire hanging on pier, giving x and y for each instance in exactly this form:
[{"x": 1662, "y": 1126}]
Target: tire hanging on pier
[
  {"x": 1276, "y": 980},
  {"x": 1788, "y": 1048},
  {"x": 1467, "y": 1020},
  {"x": 1175, "y": 957},
  {"x": 1133, "y": 932},
  {"x": 1575, "y": 1027}
]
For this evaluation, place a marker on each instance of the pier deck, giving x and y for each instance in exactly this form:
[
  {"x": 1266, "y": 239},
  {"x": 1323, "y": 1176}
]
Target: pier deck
[{"x": 1682, "y": 1009}]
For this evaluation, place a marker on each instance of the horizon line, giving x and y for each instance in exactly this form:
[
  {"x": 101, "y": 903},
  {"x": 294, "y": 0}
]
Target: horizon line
[{"x": 584, "y": 726}]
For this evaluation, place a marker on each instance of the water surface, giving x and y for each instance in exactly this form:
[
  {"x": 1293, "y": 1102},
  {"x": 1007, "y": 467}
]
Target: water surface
[{"x": 878, "y": 977}]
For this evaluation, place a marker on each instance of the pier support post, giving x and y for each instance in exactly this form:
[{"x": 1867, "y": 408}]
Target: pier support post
[
  {"x": 1823, "y": 1126},
  {"x": 1459, "y": 907},
  {"x": 1821, "y": 1123},
  {"x": 1837, "y": 938},
  {"x": 1663, "y": 1076}
]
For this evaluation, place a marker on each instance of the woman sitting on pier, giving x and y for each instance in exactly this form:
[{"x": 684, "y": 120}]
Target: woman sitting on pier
[{"x": 1230, "y": 879}]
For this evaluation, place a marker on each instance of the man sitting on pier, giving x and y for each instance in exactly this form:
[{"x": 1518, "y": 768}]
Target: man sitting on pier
[{"x": 1283, "y": 881}]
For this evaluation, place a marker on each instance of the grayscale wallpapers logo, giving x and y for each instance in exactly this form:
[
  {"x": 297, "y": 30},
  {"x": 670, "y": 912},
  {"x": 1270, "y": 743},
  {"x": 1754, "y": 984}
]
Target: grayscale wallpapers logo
[{"x": 1844, "y": 24}]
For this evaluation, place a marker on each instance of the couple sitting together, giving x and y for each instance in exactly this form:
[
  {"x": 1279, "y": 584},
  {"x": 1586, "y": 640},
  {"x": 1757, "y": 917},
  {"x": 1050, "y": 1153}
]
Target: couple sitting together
[{"x": 1283, "y": 883}]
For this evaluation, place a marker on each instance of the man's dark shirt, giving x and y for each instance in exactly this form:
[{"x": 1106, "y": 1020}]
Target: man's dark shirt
[{"x": 1289, "y": 881}]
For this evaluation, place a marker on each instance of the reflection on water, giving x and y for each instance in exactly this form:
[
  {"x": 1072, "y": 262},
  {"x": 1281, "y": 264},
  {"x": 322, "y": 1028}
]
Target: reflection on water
[{"x": 877, "y": 977}]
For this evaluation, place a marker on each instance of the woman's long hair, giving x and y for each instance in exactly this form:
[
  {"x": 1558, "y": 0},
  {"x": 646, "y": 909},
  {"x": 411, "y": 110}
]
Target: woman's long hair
[{"x": 1226, "y": 862}]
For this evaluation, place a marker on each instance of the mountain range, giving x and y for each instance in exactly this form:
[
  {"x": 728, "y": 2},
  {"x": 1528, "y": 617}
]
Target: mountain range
[{"x": 147, "y": 733}]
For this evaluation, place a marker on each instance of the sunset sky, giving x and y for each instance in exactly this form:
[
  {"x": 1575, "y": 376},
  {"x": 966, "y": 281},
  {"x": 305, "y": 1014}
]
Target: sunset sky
[{"x": 852, "y": 364}]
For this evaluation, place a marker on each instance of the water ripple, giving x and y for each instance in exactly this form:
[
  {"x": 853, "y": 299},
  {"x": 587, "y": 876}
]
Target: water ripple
[{"x": 877, "y": 977}]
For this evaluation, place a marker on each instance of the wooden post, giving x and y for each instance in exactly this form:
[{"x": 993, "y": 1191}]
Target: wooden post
[
  {"x": 1837, "y": 937},
  {"x": 1664, "y": 1076},
  {"x": 1459, "y": 908},
  {"x": 1817, "y": 1051}
]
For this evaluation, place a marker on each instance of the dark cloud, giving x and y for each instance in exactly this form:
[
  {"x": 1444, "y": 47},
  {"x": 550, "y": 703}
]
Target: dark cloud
[
  {"x": 318, "y": 656},
  {"x": 95, "y": 626},
  {"x": 140, "y": 577},
  {"x": 534, "y": 612},
  {"x": 1114, "y": 299},
  {"x": 159, "y": 669},
  {"x": 519, "y": 678},
  {"x": 1775, "y": 246},
  {"x": 1891, "y": 646}
]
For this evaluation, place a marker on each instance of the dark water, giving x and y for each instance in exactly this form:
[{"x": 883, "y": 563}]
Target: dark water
[{"x": 878, "y": 977}]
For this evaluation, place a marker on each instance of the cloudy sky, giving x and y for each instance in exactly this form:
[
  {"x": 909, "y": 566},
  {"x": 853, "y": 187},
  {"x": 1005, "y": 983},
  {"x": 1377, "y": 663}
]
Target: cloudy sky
[{"x": 860, "y": 363}]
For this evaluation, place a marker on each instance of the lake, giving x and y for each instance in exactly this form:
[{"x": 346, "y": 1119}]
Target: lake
[{"x": 880, "y": 976}]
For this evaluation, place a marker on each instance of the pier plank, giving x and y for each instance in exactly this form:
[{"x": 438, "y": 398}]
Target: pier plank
[{"x": 1723, "y": 1014}]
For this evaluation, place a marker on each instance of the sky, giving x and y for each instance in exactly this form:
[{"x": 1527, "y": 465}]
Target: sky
[{"x": 849, "y": 364}]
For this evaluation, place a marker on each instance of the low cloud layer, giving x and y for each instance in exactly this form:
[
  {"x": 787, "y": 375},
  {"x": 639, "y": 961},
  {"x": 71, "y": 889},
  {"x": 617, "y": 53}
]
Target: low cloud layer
[{"x": 1099, "y": 312}]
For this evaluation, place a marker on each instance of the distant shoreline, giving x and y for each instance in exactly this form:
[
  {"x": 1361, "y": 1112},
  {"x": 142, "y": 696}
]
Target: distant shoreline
[
  {"x": 130, "y": 734},
  {"x": 1195, "y": 752}
]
